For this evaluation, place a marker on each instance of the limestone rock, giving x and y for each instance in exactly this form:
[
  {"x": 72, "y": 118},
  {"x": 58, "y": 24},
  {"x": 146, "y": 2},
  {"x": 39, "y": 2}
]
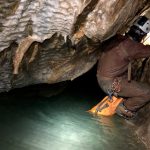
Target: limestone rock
[
  {"x": 50, "y": 41},
  {"x": 66, "y": 25}
]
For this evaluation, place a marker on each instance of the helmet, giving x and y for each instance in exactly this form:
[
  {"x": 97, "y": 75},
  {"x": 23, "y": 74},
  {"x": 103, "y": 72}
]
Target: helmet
[
  {"x": 140, "y": 28},
  {"x": 143, "y": 23}
]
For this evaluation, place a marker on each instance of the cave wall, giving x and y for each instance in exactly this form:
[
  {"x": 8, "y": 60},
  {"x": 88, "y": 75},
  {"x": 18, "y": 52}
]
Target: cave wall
[
  {"x": 49, "y": 41},
  {"x": 97, "y": 19},
  {"x": 72, "y": 31},
  {"x": 141, "y": 72}
]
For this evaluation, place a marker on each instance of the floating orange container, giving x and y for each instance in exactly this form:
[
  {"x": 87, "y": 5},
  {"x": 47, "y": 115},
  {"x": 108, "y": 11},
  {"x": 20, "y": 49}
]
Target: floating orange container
[{"x": 106, "y": 107}]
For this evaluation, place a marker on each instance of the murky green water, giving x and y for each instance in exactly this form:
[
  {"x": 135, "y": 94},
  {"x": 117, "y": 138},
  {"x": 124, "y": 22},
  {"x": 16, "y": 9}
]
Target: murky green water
[{"x": 61, "y": 123}]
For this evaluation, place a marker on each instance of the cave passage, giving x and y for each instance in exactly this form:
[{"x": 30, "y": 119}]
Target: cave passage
[{"x": 35, "y": 122}]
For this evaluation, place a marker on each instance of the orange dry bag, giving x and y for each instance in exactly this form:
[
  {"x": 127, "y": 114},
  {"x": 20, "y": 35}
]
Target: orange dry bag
[{"x": 106, "y": 107}]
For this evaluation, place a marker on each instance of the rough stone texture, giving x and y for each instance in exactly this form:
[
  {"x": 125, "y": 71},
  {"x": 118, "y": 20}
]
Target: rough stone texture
[
  {"x": 49, "y": 41},
  {"x": 27, "y": 21},
  {"x": 143, "y": 126},
  {"x": 142, "y": 122},
  {"x": 42, "y": 18},
  {"x": 111, "y": 16},
  {"x": 49, "y": 62}
]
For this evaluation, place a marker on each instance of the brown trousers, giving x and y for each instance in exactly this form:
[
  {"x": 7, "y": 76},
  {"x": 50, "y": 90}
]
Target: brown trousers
[{"x": 136, "y": 94}]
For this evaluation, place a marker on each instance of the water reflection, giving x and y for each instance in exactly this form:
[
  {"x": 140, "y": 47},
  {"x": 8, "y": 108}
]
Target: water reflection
[{"x": 61, "y": 123}]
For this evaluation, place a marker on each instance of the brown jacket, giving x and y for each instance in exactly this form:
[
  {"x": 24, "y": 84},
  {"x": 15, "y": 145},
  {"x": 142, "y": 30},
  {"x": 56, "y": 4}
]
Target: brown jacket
[{"x": 117, "y": 55}]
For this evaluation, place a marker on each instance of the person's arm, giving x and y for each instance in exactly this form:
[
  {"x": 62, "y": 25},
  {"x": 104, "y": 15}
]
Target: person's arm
[{"x": 136, "y": 50}]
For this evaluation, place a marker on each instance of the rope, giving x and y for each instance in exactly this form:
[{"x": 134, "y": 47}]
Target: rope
[{"x": 129, "y": 71}]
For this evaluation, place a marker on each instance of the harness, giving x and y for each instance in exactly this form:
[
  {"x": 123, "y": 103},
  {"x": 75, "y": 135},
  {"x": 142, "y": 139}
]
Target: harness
[{"x": 115, "y": 88}]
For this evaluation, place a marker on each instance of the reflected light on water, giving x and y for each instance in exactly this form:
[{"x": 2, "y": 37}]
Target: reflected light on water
[{"x": 61, "y": 123}]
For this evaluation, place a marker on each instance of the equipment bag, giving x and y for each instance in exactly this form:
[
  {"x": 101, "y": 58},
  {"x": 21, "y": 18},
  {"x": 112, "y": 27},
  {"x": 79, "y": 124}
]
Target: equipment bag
[{"x": 106, "y": 107}]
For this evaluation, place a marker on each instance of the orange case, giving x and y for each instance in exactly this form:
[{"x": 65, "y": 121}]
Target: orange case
[{"x": 106, "y": 107}]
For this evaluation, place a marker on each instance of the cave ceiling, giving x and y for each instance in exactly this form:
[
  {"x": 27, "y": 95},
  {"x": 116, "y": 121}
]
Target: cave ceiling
[
  {"x": 40, "y": 19},
  {"x": 48, "y": 41}
]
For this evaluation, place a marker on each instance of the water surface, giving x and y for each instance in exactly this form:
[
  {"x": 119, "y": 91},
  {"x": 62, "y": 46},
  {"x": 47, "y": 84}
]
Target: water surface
[{"x": 61, "y": 123}]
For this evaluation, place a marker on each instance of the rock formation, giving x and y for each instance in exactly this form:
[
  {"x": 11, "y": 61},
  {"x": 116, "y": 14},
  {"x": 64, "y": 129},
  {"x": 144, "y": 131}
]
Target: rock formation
[
  {"x": 49, "y": 41},
  {"x": 52, "y": 41}
]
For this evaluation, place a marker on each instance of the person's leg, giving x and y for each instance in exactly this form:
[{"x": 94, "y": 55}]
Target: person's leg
[
  {"x": 135, "y": 94},
  {"x": 138, "y": 94}
]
